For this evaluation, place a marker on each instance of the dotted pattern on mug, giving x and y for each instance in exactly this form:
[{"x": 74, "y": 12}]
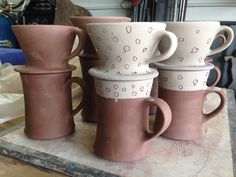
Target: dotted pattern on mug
[
  {"x": 124, "y": 57},
  {"x": 179, "y": 81},
  {"x": 125, "y": 89}
]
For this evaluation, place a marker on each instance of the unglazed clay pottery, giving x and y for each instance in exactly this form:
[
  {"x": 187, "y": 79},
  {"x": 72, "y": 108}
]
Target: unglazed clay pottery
[
  {"x": 123, "y": 87},
  {"x": 127, "y": 48},
  {"x": 48, "y": 104},
  {"x": 82, "y": 21},
  {"x": 186, "y": 78},
  {"x": 194, "y": 41},
  {"x": 48, "y": 46},
  {"x": 89, "y": 111},
  {"x": 187, "y": 111},
  {"x": 123, "y": 132}
]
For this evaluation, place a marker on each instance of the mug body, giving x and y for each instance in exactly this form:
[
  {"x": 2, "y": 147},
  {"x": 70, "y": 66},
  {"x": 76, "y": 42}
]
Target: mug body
[
  {"x": 194, "y": 41},
  {"x": 46, "y": 46},
  {"x": 48, "y": 105},
  {"x": 121, "y": 128},
  {"x": 184, "y": 78},
  {"x": 187, "y": 110},
  {"x": 123, "y": 87},
  {"x": 125, "y": 48}
]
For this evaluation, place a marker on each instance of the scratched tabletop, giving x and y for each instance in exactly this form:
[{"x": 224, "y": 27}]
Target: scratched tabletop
[{"x": 208, "y": 156}]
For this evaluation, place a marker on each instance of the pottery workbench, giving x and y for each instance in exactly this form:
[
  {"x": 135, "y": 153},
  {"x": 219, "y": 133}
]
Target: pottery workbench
[{"x": 209, "y": 156}]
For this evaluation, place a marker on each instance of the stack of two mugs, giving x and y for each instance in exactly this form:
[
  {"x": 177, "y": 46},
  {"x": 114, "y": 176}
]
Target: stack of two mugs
[
  {"x": 46, "y": 78},
  {"x": 123, "y": 82},
  {"x": 183, "y": 77}
]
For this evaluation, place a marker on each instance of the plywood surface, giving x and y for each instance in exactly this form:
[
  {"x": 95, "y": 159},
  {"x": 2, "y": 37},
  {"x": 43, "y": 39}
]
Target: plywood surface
[{"x": 208, "y": 156}]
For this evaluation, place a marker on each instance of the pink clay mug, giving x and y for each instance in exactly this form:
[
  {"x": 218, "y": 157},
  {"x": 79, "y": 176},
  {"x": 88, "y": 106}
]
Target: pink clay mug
[
  {"x": 48, "y": 104},
  {"x": 123, "y": 132},
  {"x": 48, "y": 46},
  {"x": 187, "y": 111}
]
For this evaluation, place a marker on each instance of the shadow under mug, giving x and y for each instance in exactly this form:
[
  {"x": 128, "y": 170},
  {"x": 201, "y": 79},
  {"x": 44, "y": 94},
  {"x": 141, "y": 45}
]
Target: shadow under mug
[
  {"x": 187, "y": 111},
  {"x": 123, "y": 132},
  {"x": 48, "y": 103},
  {"x": 48, "y": 46}
]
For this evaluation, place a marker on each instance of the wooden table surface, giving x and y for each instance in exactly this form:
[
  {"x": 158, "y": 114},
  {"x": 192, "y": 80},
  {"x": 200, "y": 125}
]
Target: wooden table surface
[{"x": 10, "y": 167}]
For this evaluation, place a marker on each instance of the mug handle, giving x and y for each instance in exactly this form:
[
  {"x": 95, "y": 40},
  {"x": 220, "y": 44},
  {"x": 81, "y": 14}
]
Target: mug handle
[
  {"x": 230, "y": 37},
  {"x": 80, "y": 47},
  {"x": 161, "y": 123},
  {"x": 219, "y": 108},
  {"x": 218, "y": 75},
  {"x": 82, "y": 85},
  {"x": 172, "y": 41}
]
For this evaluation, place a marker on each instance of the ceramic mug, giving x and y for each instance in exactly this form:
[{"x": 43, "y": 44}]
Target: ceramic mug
[
  {"x": 123, "y": 132},
  {"x": 48, "y": 46},
  {"x": 187, "y": 111},
  {"x": 195, "y": 40},
  {"x": 186, "y": 78},
  {"x": 82, "y": 21},
  {"x": 48, "y": 104},
  {"x": 128, "y": 48},
  {"x": 123, "y": 87}
]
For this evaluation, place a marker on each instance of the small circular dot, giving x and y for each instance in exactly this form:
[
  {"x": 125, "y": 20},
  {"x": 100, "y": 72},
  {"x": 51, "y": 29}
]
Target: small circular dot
[
  {"x": 135, "y": 58},
  {"x": 137, "y": 41},
  {"x": 115, "y": 39},
  {"x": 123, "y": 89},
  {"x": 104, "y": 30},
  {"x": 150, "y": 29},
  {"x": 126, "y": 66},
  {"x": 115, "y": 86},
  {"x": 108, "y": 89},
  {"x": 142, "y": 88},
  {"x": 139, "y": 64},
  {"x": 180, "y": 87},
  {"x": 134, "y": 93},
  {"x": 116, "y": 94},
  {"x": 118, "y": 58},
  {"x": 132, "y": 86},
  {"x": 113, "y": 66}
]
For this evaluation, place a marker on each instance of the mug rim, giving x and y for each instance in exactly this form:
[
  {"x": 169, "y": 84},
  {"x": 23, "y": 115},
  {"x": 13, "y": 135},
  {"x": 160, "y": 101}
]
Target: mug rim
[
  {"x": 191, "y": 22},
  {"x": 162, "y": 66},
  {"x": 126, "y": 23},
  {"x": 99, "y": 74}
]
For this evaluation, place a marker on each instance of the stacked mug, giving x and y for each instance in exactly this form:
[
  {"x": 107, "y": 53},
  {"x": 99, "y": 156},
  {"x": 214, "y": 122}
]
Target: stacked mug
[
  {"x": 123, "y": 83},
  {"x": 88, "y": 59},
  {"x": 183, "y": 77},
  {"x": 46, "y": 78}
]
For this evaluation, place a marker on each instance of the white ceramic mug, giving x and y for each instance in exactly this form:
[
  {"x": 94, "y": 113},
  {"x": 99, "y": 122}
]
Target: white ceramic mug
[
  {"x": 123, "y": 87},
  {"x": 128, "y": 48},
  {"x": 186, "y": 78},
  {"x": 195, "y": 40}
]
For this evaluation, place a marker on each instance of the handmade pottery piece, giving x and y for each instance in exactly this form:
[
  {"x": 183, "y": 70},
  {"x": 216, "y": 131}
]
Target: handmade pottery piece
[
  {"x": 187, "y": 111},
  {"x": 82, "y": 21},
  {"x": 194, "y": 41},
  {"x": 123, "y": 87},
  {"x": 186, "y": 78},
  {"x": 123, "y": 132},
  {"x": 48, "y": 46},
  {"x": 89, "y": 111},
  {"x": 48, "y": 104},
  {"x": 128, "y": 48}
]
